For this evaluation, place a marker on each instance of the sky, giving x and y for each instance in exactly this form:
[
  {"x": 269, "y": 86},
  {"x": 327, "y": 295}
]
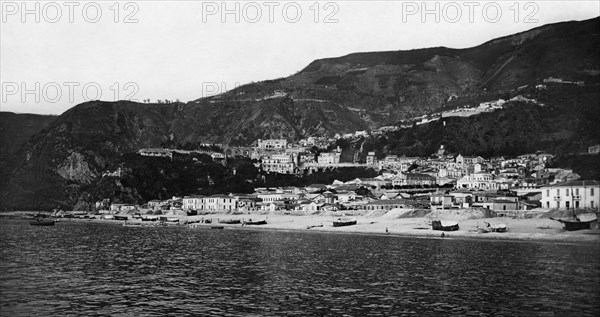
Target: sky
[{"x": 55, "y": 55}]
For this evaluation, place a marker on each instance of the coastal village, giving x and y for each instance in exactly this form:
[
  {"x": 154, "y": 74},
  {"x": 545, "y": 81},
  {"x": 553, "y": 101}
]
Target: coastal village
[{"x": 443, "y": 181}]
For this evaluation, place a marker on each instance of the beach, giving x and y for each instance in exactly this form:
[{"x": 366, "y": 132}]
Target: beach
[
  {"x": 390, "y": 223},
  {"x": 518, "y": 229}
]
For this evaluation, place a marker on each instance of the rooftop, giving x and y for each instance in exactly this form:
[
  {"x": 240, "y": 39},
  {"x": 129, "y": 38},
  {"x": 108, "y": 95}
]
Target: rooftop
[{"x": 578, "y": 183}]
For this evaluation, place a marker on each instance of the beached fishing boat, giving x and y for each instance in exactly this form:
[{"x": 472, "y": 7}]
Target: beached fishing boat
[
  {"x": 230, "y": 221},
  {"x": 315, "y": 226},
  {"x": 342, "y": 222},
  {"x": 217, "y": 227},
  {"x": 581, "y": 222},
  {"x": 497, "y": 227},
  {"x": 149, "y": 218},
  {"x": 444, "y": 225},
  {"x": 254, "y": 223},
  {"x": 42, "y": 222},
  {"x": 121, "y": 217}
]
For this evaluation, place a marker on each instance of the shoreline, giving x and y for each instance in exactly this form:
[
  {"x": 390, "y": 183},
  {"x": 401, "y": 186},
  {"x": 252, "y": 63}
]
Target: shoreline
[{"x": 533, "y": 229}]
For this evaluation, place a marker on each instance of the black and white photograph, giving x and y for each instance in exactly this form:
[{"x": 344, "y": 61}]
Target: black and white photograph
[{"x": 299, "y": 158}]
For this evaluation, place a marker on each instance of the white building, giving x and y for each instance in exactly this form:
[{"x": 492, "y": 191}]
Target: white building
[
  {"x": 278, "y": 163},
  {"x": 216, "y": 202},
  {"x": 580, "y": 194},
  {"x": 272, "y": 144},
  {"x": 482, "y": 181},
  {"x": 329, "y": 158}
]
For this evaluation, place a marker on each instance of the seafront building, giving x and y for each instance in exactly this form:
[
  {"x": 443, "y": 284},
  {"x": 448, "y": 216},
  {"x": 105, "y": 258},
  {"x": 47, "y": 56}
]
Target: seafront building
[{"x": 580, "y": 194}]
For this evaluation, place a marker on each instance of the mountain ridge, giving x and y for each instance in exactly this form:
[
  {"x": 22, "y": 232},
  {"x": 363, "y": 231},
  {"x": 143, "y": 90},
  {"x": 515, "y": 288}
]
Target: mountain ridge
[{"x": 359, "y": 91}]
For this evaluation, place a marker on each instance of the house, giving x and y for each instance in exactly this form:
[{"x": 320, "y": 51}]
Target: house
[
  {"x": 371, "y": 159},
  {"x": 482, "y": 181},
  {"x": 346, "y": 197},
  {"x": 578, "y": 194},
  {"x": 116, "y": 208},
  {"x": 468, "y": 160},
  {"x": 271, "y": 144},
  {"x": 215, "y": 202},
  {"x": 278, "y": 163},
  {"x": 386, "y": 204},
  {"x": 270, "y": 197},
  {"x": 413, "y": 179},
  {"x": 462, "y": 199},
  {"x": 441, "y": 201},
  {"x": 329, "y": 158},
  {"x": 503, "y": 204},
  {"x": 595, "y": 149},
  {"x": 309, "y": 206}
]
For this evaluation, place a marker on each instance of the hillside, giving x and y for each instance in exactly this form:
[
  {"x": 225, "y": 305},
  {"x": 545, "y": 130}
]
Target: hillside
[
  {"x": 15, "y": 130},
  {"x": 338, "y": 95}
]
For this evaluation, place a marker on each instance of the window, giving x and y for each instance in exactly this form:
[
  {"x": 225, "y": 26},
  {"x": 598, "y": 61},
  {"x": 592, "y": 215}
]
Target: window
[
  {"x": 547, "y": 204},
  {"x": 557, "y": 192},
  {"x": 591, "y": 192},
  {"x": 592, "y": 204},
  {"x": 558, "y": 204},
  {"x": 567, "y": 192},
  {"x": 577, "y": 191},
  {"x": 548, "y": 192},
  {"x": 576, "y": 204},
  {"x": 567, "y": 204}
]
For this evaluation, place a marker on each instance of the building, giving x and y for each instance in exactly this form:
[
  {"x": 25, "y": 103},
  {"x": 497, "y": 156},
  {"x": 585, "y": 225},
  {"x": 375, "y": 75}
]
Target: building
[
  {"x": 413, "y": 179},
  {"x": 579, "y": 194},
  {"x": 278, "y": 163},
  {"x": 271, "y": 144},
  {"x": 386, "y": 204},
  {"x": 329, "y": 158},
  {"x": 482, "y": 181},
  {"x": 441, "y": 201},
  {"x": 215, "y": 202},
  {"x": 371, "y": 159},
  {"x": 468, "y": 160}
]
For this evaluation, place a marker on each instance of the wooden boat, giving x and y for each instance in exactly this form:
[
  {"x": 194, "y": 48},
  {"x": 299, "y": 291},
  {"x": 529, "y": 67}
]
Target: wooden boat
[
  {"x": 138, "y": 224},
  {"x": 121, "y": 217},
  {"x": 230, "y": 221},
  {"x": 217, "y": 227},
  {"x": 254, "y": 223},
  {"x": 42, "y": 222},
  {"x": 499, "y": 227},
  {"x": 581, "y": 222},
  {"x": 342, "y": 222},
  {"x": 444, "y": 225},
  {"x": 315, "y": 226}
]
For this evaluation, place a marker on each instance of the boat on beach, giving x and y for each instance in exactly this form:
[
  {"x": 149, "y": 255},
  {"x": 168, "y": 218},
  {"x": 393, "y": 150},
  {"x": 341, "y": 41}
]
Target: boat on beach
[
  {"x": 230, "y": 221},
  {"x": 121, "y": 217},
  {"x": 579, "y": 222},
  {"x": 497, "y": 227},
  {"x": 217, "y": 227},
  {"x": 254, "y": 223},
  {"x": 444, "y": 225},
  {"x": 42, "y": 222},
  {"x": 342, "y": 222}
]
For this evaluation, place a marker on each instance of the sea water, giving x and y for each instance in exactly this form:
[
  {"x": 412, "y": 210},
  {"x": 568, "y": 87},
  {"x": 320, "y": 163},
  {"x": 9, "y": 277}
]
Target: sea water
[{"x": 86, "y": 269}]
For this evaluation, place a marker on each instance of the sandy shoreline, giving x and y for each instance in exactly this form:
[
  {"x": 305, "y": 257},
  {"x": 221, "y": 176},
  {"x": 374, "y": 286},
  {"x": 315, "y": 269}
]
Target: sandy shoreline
[{"x": 537, "y": 229}]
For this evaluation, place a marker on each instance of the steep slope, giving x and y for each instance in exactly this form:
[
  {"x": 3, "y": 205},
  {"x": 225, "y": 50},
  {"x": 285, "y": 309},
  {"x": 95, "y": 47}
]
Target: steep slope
[{"x": 16, "y": 128}]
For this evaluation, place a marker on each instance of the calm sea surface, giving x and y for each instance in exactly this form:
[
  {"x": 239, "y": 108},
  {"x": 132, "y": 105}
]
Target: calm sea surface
[{"x": 78, "y": 268}]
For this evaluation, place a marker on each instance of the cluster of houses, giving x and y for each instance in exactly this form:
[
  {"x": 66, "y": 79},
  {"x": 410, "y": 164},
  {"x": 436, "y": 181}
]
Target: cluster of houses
[
  {"x": 378, "y": 194},
  {"x": 440, "y": 181}
]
